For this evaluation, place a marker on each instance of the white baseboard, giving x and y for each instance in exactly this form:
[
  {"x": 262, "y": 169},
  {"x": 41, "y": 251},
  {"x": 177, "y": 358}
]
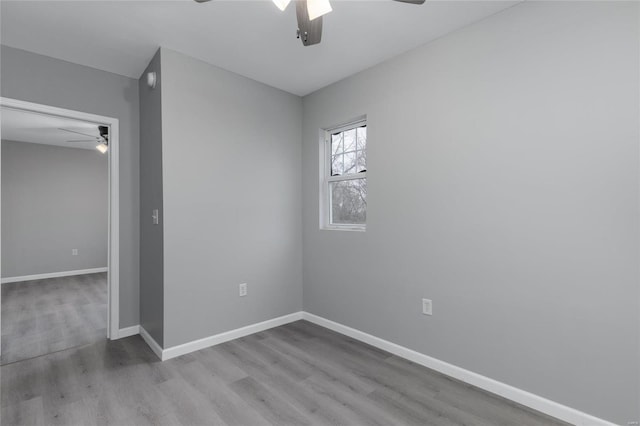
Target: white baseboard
[
  {"x": 504, "y": 390},
  {"x": 216, "y": 339},
  {"x": 126, "y": 332},
  {"x": 155, "y": 347},
  {"x": 8, "y": 280}
]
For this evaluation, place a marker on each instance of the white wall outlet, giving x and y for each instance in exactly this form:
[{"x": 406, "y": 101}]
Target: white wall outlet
[
  {"x": 427, "y": 307},
  {"x": 242, "y": 289},
  {"x": 74, "y": 252}
]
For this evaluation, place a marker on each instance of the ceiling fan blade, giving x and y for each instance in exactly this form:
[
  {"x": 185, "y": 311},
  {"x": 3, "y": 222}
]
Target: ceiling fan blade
[
  {"x": 84, "y": 140},
  {"x": 409, "y": 1},
  {"x": 80, "y": 133},
  {"x": 201, "y": 1},
  {"x": 309, "y": 32}
]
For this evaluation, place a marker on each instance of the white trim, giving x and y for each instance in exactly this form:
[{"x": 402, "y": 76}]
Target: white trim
[
  {"x": 504, "y": 390},
  {"x": 52, "y": 275},
  {"x": 155, "y": 347},
  {"x": 347, "y": 227},
  {"x": 128, "y": 331},
  {"x": 216, "y": 339},
  {"x": 356, "y": 122},
  {"x": 113, "y": 313}
]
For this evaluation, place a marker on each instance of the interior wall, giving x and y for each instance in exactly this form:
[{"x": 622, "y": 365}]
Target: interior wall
[
  {"x": 41, "y": 79},
  {"x": 503, "y": 185},
  {"x": 54, "y": 200},
  {"x": 231, "y": 176},
  {"x": 151, "y": 196}
]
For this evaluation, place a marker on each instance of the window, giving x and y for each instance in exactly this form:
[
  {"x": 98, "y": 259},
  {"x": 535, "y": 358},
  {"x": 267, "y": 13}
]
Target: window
[{"x": 344, "y": 183}]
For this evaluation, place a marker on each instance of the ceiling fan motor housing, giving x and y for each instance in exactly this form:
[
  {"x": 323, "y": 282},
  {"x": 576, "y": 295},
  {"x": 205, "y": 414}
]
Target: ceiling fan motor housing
[{"x": 104, "y": 132}]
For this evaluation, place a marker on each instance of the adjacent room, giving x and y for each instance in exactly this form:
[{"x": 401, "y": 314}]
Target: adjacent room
[
  {"x": 54, "y": 234},
  {"x": 320, "y": 212}
]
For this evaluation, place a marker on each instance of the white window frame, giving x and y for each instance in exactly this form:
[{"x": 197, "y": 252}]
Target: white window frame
[{"x": 326, "y": 179}]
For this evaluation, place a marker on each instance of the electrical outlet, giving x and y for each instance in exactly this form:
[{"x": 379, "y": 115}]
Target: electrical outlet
[
  {"x": 427, "y": 307},
  {"x": 74, "y": 252},
  {"x": 242, "y": 289}
]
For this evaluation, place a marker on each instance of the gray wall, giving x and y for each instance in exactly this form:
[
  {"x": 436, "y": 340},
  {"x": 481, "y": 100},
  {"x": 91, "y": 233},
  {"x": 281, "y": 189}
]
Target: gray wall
[
  {"x": 151, "y": 236},
  {"x": 35, "y": 78},
  {"x": 231, "y": 175},
  {"x": 503, "y": 184},
  {"x": 54, "y": 199}
]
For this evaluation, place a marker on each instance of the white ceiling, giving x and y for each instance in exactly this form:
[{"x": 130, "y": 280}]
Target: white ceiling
[
  {"x": 21, "y": 126},
  {"x": 250, "y": 38}
]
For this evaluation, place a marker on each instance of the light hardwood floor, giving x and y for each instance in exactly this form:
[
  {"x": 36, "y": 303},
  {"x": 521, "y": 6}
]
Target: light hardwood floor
[
  {"x": 297, "y": 374},
  {"x": 45, "y": 316}
]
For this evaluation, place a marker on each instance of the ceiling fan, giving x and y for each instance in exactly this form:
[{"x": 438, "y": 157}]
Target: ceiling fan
[
  {"x": 102, "y": 141},
  {"x": 309, "y": 14}
]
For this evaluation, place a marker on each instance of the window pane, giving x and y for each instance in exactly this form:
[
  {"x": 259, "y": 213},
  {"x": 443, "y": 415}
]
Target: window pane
[
  {"x": 349, "y": 163},
  {"x": 336, "y": 144},
  {"x": 362, "y": 137},
  {"x": 350, "y": 140},
  {"x": 361, "y": 162},
  {"x": 337, "y": 165},
  {"x": 349, "y": 201}
]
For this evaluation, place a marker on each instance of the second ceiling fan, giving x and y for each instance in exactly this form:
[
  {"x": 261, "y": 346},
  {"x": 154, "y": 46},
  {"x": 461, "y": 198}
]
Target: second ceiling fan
[{"x": 309, "y": 14}]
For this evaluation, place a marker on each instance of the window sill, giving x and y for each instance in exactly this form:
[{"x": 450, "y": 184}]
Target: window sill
[{"x": 344, "y": 228}]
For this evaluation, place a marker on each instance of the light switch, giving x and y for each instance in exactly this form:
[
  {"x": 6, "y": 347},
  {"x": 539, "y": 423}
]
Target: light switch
[{"x": 155, "y": 216}]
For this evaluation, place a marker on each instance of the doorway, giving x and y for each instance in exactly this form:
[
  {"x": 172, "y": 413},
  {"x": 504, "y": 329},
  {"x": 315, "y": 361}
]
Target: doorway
[{"x": 58, "y": 292}]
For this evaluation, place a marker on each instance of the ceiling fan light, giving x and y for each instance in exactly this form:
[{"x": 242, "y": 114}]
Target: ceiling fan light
[
  {"x": 282, "y": 4},
  {"x": 102, "y": 148},
  {"x": 317, "y": 8}
]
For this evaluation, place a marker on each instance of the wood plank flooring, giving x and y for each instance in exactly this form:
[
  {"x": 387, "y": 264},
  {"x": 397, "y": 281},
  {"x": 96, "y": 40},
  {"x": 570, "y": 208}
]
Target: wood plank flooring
[
  {"x": 45, "y": 316},
  {"x": 297, "y": 374}
]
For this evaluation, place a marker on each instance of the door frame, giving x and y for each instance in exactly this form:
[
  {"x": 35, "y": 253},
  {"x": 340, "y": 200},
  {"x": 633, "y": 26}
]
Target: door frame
[{"x": 113, "y": 256}]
